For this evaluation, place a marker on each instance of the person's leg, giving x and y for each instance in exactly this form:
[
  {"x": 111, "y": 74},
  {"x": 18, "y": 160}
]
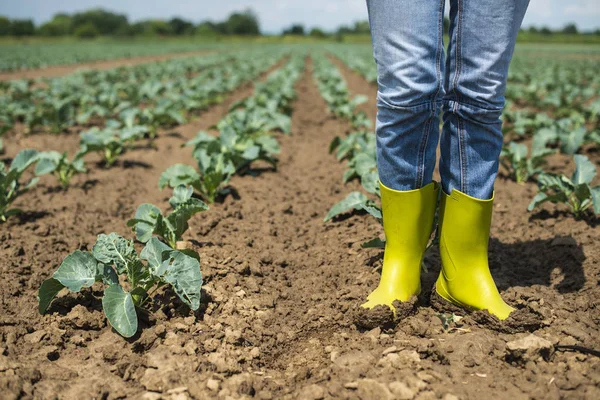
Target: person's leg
[
  {"x": 482, "y": 40},
  {"x": 408, "y": 49},
  {"x": 407, "y": 45}
]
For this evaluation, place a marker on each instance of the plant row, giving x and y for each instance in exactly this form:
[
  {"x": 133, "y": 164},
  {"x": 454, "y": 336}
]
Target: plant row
[
  {"x": 357, "y": 148},
  {"x": 246, "y": 135},
  {"x": 168, "y": 94}
]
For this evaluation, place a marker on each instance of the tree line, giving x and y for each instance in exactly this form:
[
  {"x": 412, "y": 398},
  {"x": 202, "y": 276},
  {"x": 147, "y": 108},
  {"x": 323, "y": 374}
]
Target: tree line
[{"x": 100, "y": 22}]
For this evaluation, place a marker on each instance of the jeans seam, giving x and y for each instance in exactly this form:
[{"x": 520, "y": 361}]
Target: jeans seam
[
  {"x": 438, "y": 54},
  {"x": 421, "y": 156},
  {"x": 458, "y": 52},
  {"x": 381, "y": 102},
  {"x": 462, "y": 155}
]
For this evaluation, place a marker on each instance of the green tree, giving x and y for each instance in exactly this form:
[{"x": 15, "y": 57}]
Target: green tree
[
  {"x": 22, "y": 27},
  {"x": 207, "y": 28},
  {"x": 296, "y": 29},
  {"x": 362, "y": 27},
  {"x": 59, "y": 25},
  {"x": 106, "y": 22},
  {"x": 181, "y": 27},
  {"x": 86, "y": 31},
  {"x": 317, "y": 33},
  {"x": 545, "y": 31},
  {"x": 5, "y": 26},
  {"x": 243, "y": 23},
  {"x": 570, "y": 29}
]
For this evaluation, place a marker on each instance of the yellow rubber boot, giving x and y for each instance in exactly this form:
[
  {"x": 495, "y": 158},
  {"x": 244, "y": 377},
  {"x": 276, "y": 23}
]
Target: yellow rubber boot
[
  {"x": 407, "y": 223},
  {"x": 465, "y": 279}
]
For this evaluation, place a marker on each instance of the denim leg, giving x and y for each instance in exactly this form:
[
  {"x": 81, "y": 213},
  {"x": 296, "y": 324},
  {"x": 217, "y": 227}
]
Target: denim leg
[
  {"x": 408, "y": 49},
  {"x": 482, "y": 41}
]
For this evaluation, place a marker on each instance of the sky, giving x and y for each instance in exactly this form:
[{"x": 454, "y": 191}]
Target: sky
[{"x": 277, "y": 14}]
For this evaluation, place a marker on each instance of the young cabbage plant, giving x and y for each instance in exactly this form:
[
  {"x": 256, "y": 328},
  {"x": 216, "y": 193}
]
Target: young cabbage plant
[
  {"x": 358, "y": 201},
  {"x": 353, "y": 144},
  {"x": 520, "y": 167},
  {"x": 570, "y": 135},
  {"x": 240, "y": 150},
  {"x": 59, "y": 165},
  {"x": 149, "y": 221},
  {"x": 575, "y": 192},
  {"x": 211, "y": 180},
  {"x": 113, "y": 256},
  {"x": 5, "y": 126},
  {"x": 111, "y": 142},
  {"x": 10, "y": 186}
]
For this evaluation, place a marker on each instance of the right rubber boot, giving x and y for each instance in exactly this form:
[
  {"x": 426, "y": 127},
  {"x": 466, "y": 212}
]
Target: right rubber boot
[
  {"x": 465, "y": 279},
  {"x": 407, "y": 222}
]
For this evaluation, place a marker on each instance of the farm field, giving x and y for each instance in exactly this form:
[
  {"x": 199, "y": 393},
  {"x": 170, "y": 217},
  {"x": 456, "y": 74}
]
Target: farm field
[{"x": 249, "y": 132}]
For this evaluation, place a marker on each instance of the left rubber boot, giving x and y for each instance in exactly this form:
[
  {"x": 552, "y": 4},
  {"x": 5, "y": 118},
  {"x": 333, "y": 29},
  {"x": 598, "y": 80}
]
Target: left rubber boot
[
  {"x": 407, "y": 223},
  {"x": 464, "y": 231}
]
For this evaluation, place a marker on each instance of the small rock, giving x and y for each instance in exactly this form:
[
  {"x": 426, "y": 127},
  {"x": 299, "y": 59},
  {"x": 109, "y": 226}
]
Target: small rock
[
  {"x": 34, "y": 337},
  {"x": 233, "y": 336},
  {"x": 450, "y": 396},
  {"x": 213, "y": 384},
  {"x": 402, "y": 391},
  {"x": 351, "y": 385},
  {"x": 255, "y": 352},
  {"x": 371, "y": 389},
  {"x": 389, "y": 350},
  {"x": 529, "y": 348},
  {"x": 151, "y": 396},
  {"x": 311, "y": 392}
]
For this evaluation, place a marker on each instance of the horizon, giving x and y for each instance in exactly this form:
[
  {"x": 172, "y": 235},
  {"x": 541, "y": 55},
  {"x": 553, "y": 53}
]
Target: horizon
[{"x": 274, "y": 16}]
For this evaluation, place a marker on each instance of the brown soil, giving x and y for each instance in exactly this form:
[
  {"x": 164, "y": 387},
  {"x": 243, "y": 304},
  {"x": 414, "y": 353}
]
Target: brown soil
[
  {"x": 60, "y": 70},
  {"x": 280, "y": 316}
]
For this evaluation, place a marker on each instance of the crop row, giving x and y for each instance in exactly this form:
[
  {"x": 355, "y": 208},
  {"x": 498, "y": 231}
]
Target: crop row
[
  {"x": 21, "y": 56},
  {"x": 246, "y": 135},
  {"x": 167, "y": 95},
  {"x": 357, "y": 148}
]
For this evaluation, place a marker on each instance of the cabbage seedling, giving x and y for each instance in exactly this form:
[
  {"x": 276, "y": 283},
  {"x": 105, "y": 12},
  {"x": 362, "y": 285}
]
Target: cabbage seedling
[
  {"x": 113, "y": 256},
  {"x": 10, "y": 187},
  {"x": 149, "y": 221},
  {"x": 210, "y": 181},
  {"x": 520, "y": 167},
  {"x": 59, "y": 165},
  {"x": 576, "y": 192}
]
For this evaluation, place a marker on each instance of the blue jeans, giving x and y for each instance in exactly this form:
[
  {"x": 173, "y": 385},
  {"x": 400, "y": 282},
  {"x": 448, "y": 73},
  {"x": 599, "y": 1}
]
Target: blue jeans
[{"x": 417, "y": 83}]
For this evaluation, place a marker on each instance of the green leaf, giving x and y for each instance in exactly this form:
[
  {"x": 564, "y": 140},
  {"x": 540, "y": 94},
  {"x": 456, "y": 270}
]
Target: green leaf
[
  {"x": 23, "y": 160},
  {"x": 155, "y": 252},
  {"x": 106, "y": 274},
  {"x": 585, "y": 170},
  {"x": 120, "y": 310},
  {"x": 48, "y": 291},
  {"x": 178, "y": 174},
  {"x": 353, "y": 201},
  {"x": 78, "y": 270},
  {"x": 145, "y": 221},
  {"x": 596, "y": 199},
  {"x": 183, "y": 273},
  {"x": 113, "y": 249},
  {"x": 181, "y": 194}
]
